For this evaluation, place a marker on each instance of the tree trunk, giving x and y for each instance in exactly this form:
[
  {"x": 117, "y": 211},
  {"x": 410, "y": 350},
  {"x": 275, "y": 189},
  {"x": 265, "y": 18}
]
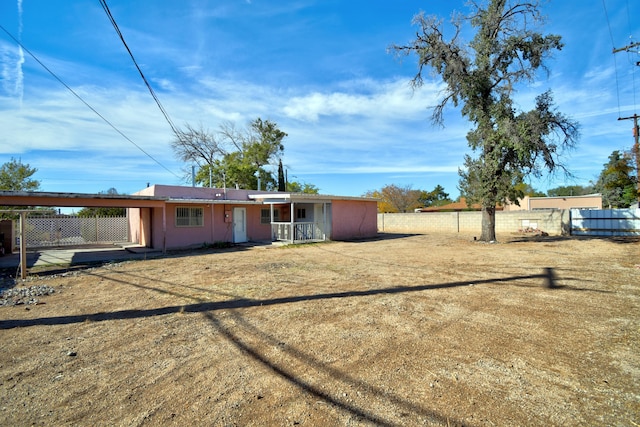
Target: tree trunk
[{"x": 488, "y": 224}]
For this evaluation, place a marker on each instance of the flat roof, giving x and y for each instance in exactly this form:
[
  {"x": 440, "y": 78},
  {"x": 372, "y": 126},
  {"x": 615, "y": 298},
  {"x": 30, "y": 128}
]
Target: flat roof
[
  {"x": 304, "y": 197},
  {"x": 58, "y": 199},
  {"x": 41, "y": 198},
  {"x": 583, "y": 196},
  {"x": 177, "y": 200}
]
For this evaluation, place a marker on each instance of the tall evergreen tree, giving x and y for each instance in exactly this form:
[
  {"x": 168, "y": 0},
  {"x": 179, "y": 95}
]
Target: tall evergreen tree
[{"x": 282, "y": 186}]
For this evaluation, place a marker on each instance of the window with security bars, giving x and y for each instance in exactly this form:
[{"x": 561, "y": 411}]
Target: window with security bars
[{"x": 189, "y": 217}]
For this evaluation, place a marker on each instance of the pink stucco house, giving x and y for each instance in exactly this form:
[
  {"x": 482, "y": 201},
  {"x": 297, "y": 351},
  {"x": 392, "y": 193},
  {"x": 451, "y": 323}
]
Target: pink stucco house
[{"x": 191, "y": 216}]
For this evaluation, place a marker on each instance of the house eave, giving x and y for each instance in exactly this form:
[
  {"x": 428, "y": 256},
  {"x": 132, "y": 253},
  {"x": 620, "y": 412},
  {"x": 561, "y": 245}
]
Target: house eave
[
  {"x": 212, "y": 201},
  {"x": 279, "y": 198}
]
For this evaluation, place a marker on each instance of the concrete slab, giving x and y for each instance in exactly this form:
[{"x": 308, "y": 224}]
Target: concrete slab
[{"x": 78, "y": 256}]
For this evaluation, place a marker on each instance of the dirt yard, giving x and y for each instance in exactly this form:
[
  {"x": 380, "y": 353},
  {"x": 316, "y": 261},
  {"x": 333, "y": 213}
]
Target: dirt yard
[{"x": 402, "y": 330}]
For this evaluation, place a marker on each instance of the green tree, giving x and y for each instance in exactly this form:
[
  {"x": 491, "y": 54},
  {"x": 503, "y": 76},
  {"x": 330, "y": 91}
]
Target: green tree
[
  {"x": 231, "y": 156},
  {"x": 570, "y": 190},
  {"x": 103, "y": 212},
  {"x": 528, "y": 190},
  {"x": 435, "y": 197},
  {"x": 616, "y": 182},
  {"x": 16, "y": 176},
  {"x": 482, "y": 76},
  {"x": 297, "y": 187}
]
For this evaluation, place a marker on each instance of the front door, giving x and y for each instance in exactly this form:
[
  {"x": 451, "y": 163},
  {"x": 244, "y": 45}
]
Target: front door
[{"x": 239, "y": 225}]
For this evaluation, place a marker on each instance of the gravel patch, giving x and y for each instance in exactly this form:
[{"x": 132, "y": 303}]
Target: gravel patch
[{"x": 24, "y": 295}]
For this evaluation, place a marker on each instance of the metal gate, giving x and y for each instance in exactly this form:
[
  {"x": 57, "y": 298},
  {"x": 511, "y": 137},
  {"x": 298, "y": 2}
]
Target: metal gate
[
  {"x": 605, "y": 222},
  {"x": 66, "y": 230}
]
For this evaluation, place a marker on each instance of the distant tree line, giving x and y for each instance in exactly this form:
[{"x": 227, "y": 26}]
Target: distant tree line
[
  {"x": 394, "y": 198},
  {"x": 617, "y": 183}
]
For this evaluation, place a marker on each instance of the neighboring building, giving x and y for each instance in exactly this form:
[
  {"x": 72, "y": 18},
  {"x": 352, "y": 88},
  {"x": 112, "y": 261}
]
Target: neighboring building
[
  {"x": 195, "y": 216},
  {"x": 589, "y": 201}
]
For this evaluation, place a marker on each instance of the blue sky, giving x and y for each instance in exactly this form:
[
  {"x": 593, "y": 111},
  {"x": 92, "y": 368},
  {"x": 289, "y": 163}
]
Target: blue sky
[{"x": 318, "y": 68}]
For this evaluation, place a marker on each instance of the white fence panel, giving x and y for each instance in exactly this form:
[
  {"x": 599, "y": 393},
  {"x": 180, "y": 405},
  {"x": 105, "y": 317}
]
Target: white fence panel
[
  {"x": 73, "y": 230},
  {"x": 605, "y": 222}
]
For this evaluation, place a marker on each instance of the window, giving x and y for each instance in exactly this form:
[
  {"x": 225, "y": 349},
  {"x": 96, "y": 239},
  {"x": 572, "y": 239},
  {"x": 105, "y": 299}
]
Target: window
[
  {"x": 189, "y": 217},
  {"x": 265, "y": 216},
  {"x": 302, "y": 213}
]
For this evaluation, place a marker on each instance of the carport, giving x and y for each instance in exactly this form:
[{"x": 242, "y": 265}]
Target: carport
[{"x": 80, "y": 200}]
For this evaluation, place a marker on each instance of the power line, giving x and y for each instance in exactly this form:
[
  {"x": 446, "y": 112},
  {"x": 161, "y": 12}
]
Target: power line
[
  {"x": 85, "y": 102},
  {"x": 615, "y": 63},
  {"x": 146, "y": 82}
]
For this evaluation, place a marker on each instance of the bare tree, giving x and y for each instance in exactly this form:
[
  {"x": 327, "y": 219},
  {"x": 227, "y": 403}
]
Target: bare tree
[
  {"x": 197, "y": 145},
  {"x": 232, "y": 155}
]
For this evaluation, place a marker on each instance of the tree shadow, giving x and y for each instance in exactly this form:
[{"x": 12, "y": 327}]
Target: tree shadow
[
  {"x": 547, "y": 239},
  {"x": 280, "y": 355},
  {"x": 382, "y": 236},
  {"x": 283, "y": 370},
  {"x": 548, "y": 277}
]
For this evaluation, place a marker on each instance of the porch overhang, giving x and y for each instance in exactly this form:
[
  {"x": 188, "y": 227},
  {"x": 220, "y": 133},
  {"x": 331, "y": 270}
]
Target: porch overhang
[
  {"x": 288, "y": 198},
  {"x": 178, "y": 201}
]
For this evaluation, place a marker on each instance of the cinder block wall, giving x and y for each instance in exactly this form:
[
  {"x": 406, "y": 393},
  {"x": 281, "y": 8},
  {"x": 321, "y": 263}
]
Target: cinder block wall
[{"x": 552, "y": 221}]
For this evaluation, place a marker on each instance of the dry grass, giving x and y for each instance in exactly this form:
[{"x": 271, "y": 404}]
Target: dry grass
[{"x": 418, "y": 330}]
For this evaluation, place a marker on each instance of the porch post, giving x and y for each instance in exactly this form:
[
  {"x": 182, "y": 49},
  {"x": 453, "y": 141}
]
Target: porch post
[
  {"x": 324, "y": 221},
  {"x": 292, "y": 216},
  {"x": 274, "y": 236}
]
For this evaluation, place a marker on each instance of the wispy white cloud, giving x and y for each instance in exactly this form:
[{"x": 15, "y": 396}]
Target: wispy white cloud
[
  {"x": 375, "y": 128},
  {"x": 11, "y": 61},
  {"x": 315, "y": 69},
  {"x": 393, "y": 100}
]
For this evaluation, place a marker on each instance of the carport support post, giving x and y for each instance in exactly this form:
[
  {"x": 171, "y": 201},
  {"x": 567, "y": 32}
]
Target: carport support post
[{"x": 23, "y": 245}]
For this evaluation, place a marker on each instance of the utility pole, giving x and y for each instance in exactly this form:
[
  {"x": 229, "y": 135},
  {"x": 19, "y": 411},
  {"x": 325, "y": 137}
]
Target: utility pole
[
  {"x": 636, "y": 130},
  {"x": 636, "y": 148}
]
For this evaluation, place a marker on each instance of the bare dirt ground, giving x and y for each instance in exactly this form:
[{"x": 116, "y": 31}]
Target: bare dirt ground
[{"x": 413, "y": 330}]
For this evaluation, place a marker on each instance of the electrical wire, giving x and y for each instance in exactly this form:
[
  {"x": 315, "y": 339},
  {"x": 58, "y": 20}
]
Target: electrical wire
[
  {"x": 85, "y": 102},
  {"x": 633, "y": 81},
  {"x": 631, "y": 61},
  {"x": 105, "y": 7},
  {"x": 615, "y": 63}
]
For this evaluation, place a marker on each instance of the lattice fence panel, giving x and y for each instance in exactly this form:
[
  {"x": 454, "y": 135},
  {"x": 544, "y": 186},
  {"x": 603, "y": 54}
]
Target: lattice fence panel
[{"x": 73, "y": 230}]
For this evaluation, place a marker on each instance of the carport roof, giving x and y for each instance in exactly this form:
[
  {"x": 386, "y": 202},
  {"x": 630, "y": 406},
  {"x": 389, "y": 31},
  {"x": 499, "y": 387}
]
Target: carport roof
[{"x": 38, "y": 198}]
